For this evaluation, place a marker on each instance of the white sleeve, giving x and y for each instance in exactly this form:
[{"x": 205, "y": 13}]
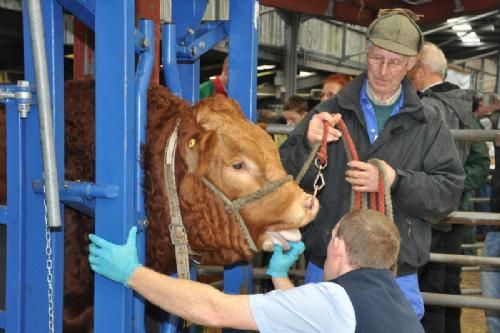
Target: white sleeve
[{"x": 314, "y": 307}]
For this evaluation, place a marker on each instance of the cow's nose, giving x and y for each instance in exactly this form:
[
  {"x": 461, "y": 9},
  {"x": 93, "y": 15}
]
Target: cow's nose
[{"x": 311, "y": 203}]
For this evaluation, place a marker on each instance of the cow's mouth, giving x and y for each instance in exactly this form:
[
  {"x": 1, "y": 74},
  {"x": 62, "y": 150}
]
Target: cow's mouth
[{"x": 280, "y": 237}]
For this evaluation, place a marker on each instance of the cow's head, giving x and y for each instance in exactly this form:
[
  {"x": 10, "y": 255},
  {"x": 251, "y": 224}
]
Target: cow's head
[{"x": 216, "y": 142}]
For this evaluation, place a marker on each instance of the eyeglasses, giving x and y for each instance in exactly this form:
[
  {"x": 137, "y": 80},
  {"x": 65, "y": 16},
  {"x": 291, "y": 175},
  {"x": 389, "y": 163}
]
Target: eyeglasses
[{"x": 393, "y": 64}]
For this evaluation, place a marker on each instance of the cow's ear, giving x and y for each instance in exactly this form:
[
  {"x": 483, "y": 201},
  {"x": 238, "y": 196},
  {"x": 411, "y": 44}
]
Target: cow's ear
[{"x": 199, "y": 151}]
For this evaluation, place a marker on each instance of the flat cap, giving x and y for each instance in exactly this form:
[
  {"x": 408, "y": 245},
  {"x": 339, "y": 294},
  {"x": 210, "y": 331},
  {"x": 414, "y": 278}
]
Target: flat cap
[{"x": 395, "y": 31}]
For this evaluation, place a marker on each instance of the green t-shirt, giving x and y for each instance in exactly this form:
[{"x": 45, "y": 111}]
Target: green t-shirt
[
  {"x": 383, "y": 113},
  {"x": 207, "y": 89}
]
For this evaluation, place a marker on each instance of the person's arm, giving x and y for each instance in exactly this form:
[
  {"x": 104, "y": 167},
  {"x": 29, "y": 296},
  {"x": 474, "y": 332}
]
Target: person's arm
[
  {"x": 281, "y": 262},
  {"x": 282, "y": 283},
  {"x": 193, "y": 301},
  {"x": 190, "y": 300},
  {"x": 477, "y": 165},
  {"x": 433, "y": 192},
  {"x": 295, "y": 150}
]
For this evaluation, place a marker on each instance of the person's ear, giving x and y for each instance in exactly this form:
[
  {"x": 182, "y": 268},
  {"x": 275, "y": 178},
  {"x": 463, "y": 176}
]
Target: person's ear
[
  {"x": 339, "y": 249},
  {"x": 411, "y": 63}
]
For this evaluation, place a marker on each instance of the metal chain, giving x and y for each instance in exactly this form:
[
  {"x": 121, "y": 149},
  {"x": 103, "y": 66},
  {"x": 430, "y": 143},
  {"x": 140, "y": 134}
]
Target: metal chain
[
  {"x": 319, "y": 182},
  {"x": 50, "y": 268}
]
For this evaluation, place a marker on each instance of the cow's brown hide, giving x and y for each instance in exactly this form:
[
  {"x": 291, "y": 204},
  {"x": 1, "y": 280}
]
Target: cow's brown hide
[{"x": 235, "y": 155}]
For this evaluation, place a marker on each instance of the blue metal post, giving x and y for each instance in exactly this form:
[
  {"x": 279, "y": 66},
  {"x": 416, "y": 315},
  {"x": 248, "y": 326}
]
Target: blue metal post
[
  {"x": 143, "y": 76},
  {"x": 243, "y": 54},
  {"x": 169, "y": 59},
  {"x": 186, "y": 15},
  {"x": 15, "y": 240},
  {"x": 243, "y": 43},
  {"x": 34, "y": 306},
  {"x": 115, "y": 149}
]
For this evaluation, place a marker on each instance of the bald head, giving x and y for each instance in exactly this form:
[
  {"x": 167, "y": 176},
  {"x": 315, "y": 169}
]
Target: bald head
[
  {"x": 433, "y": 57},
  {"x": 430, "y": 68}
]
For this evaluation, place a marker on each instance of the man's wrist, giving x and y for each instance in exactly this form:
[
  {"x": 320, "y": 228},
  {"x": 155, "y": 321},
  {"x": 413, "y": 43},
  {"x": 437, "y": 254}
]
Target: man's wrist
[
  {"x": 131, "y": 272},
  {"x": 276, "y": 274}
]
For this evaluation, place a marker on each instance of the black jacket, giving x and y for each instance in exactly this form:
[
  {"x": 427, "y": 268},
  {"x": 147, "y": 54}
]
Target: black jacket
[
  {"x": 454, "y": 105},
  {"x": 379, "y": 304},
  {"x": 415, "y": 142}
]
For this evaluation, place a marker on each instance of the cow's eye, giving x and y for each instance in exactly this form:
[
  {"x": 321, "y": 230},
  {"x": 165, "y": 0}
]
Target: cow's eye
[{"x": 238, "y": 166}]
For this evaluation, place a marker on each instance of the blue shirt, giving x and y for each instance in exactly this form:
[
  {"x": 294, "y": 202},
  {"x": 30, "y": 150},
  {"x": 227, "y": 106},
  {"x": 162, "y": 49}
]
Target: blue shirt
[
  {"x": 369, "y": 112},
  {"x": 315, "y": 307}
]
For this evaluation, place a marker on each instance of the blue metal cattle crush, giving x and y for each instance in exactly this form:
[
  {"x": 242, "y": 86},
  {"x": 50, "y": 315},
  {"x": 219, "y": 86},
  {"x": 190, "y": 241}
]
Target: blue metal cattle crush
[{"x": 124, "y": 60}]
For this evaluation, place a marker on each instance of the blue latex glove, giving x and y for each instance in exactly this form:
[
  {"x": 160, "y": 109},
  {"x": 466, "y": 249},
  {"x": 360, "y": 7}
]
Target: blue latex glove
[
  {"x": 116, "y": 262},
  {"x": 281, "y": 262}
]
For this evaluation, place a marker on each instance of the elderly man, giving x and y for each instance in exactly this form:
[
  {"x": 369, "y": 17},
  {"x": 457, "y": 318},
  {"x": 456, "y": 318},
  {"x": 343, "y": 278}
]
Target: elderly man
[
  {"x": 363, "y": 248},
  {"x": 454, "y": 105},
  {"x": 387, "y": 121}
]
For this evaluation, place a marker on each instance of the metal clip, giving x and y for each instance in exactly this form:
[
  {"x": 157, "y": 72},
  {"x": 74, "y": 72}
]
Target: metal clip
[
  {"x": 177, "y": 234},
  {"x": 319, "y": 182}
]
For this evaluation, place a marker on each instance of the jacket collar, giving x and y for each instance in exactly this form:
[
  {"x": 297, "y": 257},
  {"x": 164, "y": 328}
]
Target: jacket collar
[{"x": 348, "y": 98}]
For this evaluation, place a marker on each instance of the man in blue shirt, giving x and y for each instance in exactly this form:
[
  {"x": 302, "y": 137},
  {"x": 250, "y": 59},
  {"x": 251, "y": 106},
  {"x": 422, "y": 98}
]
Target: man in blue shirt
[{"x": 362, "y": 295}]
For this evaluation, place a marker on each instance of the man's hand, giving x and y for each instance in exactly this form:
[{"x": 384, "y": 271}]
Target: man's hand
[
  {"x": 116, "y": 262},
  {"x": 280, "y": 262},
  {"x": 364, "y": 176},
  {"x": 317, "y": 128}
]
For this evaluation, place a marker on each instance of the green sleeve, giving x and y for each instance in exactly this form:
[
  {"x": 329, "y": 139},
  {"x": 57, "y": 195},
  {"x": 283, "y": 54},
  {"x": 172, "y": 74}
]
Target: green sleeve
[
  {"x": 477, "y": 164},
  {"x": 207, "y": 89}
]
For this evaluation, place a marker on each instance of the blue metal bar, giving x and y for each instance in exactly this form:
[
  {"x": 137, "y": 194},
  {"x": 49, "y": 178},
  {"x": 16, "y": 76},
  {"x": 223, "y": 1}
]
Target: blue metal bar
[
  {"x": 237, "y": 280},
  {"x": 14, "y": 298},
  {"x": 189, "y": 72},
  {"x": 115, "y": 149},
  {"x": 187, "y": 15},
  {"x": 173, "y": 323},
  {"x": 209, "y": 35},
  {"x": 169, "y": 59},
  {"x": 81, "y": 195},
  {"x": 83, "y": 9},
  {"x": 243, "y": 53},
  {"x": 3, "y": 214},
  {"x": 34, "y": 305},
  {"x": 143, "y": 76},
  {"x": 84, "y": 190}
]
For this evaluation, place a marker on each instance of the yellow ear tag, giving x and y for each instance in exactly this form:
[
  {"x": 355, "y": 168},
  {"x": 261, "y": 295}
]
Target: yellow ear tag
[{"x": 192, "y": 143}]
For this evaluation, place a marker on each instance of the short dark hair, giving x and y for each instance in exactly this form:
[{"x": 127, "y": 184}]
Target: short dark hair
[
  {"x": 372, "y": 239},
  {"x": 297, "y": 104}
]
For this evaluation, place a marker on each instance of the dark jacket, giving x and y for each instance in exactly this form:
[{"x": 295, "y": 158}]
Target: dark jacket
[
  {"x": 415, "y": 142},
  {"x": 454, "y": 105},
  {"x": 378, "y": 302}
]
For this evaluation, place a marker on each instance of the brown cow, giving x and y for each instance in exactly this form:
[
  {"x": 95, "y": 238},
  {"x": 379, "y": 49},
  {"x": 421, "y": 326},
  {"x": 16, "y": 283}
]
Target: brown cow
[{"x": 216, "y": 142}]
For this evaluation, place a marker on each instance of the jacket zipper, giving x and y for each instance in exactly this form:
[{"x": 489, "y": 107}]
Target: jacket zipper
[{"x": 410, "y": 236}]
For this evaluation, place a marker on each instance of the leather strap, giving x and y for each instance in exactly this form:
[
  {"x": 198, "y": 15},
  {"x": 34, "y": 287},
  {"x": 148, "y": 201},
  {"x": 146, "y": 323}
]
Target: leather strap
[{"x": 178, "y": 234}]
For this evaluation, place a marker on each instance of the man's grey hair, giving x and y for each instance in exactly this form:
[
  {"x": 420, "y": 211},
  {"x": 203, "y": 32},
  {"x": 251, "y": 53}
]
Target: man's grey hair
[{"x": 433, "y": 57}]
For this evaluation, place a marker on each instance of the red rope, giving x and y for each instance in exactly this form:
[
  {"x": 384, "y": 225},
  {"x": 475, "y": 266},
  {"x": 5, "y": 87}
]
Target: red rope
[
  {"x": 377, "y": 199},
  {"x": 322, "y": 154}
]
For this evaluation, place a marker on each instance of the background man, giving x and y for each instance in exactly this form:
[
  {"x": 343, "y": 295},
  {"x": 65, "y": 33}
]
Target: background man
[
  {"x": 363, "y": 248},
  {"x": 454, "y": 105},
  {"x": 387, "y": 121},
  {"x": 218, "y": 85}
]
